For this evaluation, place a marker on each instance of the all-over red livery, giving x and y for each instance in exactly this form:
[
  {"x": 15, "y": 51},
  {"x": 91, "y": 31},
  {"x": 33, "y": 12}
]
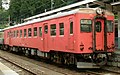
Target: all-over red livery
[{"x": 83, "y": 37}]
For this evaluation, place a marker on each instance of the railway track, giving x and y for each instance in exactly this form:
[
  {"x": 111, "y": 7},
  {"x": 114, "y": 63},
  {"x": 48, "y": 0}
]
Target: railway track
[
  {"x": 36, "y": 67},
  {"x": 22, "y": 67},
  {"x": 16, "y": 67},
  {"x": 27, "y": 66}
]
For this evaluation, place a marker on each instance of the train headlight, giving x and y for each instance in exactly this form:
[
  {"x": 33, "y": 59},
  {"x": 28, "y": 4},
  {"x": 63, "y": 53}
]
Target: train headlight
[
  {"x": 101, "y": 59},
  {"x": 99, "y": 11}
]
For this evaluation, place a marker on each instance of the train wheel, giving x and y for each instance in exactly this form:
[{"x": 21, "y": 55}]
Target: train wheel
[
  {"x": 20, "y": 50},
  {"x": 69, "y": 59},
  {"x": 28, "y": 52},
  {"x": 101, "y": 59},
  {"x": 56, "y": 57},
  {"x": 10, "y": 49}
]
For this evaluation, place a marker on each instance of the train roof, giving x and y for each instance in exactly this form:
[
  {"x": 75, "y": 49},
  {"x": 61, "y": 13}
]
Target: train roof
[{"x": 60, "y": 14}]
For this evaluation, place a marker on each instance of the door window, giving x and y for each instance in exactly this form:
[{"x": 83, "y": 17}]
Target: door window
[
  {"x": 98, "y": 26},
  {"x": 71, "y": 27},
  {"x": 40, "y": 31},
  {"x": 46, "y": 29}
]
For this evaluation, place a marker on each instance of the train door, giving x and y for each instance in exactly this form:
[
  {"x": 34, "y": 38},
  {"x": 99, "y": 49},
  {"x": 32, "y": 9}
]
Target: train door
[
  {"x": 9, "y": 37},
  {"x": 45, "y": 37},
  {"x": 99, "y": 35},
  {"x": 71, "y": 36}
]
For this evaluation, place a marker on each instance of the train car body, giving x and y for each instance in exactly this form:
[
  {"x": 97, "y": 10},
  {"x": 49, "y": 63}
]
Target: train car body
[{"x": 74, "y": 37}]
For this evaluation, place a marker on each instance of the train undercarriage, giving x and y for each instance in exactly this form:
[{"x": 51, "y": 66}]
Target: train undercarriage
[{"x": 93, "y": 60}]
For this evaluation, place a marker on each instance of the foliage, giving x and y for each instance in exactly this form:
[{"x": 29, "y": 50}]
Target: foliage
[
  {"x": 20, "y": 9},
  {"x": 4, "y": 18}
]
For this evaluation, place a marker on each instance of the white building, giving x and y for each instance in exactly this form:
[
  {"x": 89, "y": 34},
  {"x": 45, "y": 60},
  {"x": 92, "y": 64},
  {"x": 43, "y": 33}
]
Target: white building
[{"x": 5, "y": 4}]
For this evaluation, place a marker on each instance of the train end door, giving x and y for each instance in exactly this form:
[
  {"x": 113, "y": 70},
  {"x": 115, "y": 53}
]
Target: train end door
[
  {"x": 99, "y": 35},
  {"x": 9, "y": 37},
  {"x": 45, "y": 37},
  {"x": 70, "y": 36}
]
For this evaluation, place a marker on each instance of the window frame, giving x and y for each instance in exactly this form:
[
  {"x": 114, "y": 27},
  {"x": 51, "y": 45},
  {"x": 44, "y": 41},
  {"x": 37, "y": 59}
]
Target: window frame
[
  {"x": 62, "y": 23},
  {"x": 29, "y": 32},
  {"x": 71, "y": 23},
  {"x": 87, "y": 25},
  {"x": 25, "y": 32},
  {"x": 17, "y": 33},
  {"x": 40, "y": 32},
  {"x": 100, "y": 27},
  {"x": 20, "y": 33},
  {"x": 14, "y": 33},
  {"x": 35, "y": 31},
  {"x": 53, "y": 30},
  {"x": 46, "y": 28},
  {"x": 8, "y": 34}
]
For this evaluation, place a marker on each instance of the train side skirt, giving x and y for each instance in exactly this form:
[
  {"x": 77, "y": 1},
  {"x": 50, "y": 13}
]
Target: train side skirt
[{"x": 86, "y": 65}]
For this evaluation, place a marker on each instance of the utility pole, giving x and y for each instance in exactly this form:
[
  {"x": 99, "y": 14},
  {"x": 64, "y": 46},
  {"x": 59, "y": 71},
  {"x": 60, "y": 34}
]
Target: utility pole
[{"x": 52, "y": 4}]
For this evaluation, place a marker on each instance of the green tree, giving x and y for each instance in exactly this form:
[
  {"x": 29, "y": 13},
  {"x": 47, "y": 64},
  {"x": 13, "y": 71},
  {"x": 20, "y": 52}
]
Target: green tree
[
  {"x": 0, "y": 4},
  {"x": 14, "y": 9},
  {"x": 4, "y": 16},
  {"x": 20, "y": 9}
]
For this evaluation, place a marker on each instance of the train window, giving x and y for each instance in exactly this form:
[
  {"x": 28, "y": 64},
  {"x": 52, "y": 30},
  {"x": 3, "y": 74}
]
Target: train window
[
  {"x": 14, "y": 34},
  {"x": 20, "y": 33},
  {"x": 40, "y": 31},
  {"x": 46, "y": 29},
  {"x": 71, "y": 27},
  {"x": 86, "y": 25},
  {"x": 29, "y": 32},
  {"x": 17, "y": 33},
  {"x": 61, "y": 26},
  {"x": 25, "y": 32},
  {"x": 98, "y": 26},
  {"x": 7, "y": 34},
  {"x": 10, "y": 34},
  {"x": 53, "y": 29},
  {"x": 109, "y": 26},
  {"x": 35, "y": 31}
]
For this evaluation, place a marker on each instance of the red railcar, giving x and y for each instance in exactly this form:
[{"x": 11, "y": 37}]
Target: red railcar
[{"x": 83, "y": 37}]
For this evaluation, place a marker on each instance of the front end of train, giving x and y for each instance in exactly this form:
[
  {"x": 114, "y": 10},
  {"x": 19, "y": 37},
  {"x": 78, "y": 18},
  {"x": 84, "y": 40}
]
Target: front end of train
[{"x": 96, "y": 38}]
